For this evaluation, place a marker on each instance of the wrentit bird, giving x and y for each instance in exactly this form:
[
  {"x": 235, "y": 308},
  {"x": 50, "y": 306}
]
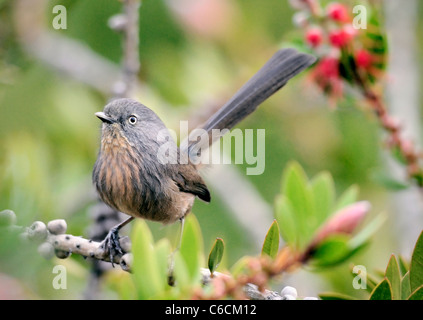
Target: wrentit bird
[{"x": 128, "y": 175}]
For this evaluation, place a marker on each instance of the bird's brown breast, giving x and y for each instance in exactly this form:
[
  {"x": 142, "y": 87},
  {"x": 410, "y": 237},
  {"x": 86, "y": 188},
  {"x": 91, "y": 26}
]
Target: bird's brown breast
[
  {"x": 124, "y": 184},
  {"x": 117, "y": 167}
]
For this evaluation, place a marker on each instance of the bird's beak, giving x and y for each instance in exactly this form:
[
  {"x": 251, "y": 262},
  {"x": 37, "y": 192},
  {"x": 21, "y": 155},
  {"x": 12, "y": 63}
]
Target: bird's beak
[{"x": 103, "y": 117}]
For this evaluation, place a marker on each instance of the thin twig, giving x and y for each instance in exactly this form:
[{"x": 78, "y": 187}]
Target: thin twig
[
  {"x": 258, "y": 271},
  {"x": 396, "y": 142},
  {"x": 130, "y": 64}
]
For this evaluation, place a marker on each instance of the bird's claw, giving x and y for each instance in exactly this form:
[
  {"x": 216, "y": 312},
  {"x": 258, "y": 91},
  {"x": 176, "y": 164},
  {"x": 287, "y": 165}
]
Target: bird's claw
[{"x": 111, "y": 244}]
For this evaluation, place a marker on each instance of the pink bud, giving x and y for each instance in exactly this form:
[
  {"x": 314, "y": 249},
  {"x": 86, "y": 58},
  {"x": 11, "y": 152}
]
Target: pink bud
[
  {"x": 337, "y": 12},
  {"x": 314, "y": 36},
  {"x": 344, "y": 221}
]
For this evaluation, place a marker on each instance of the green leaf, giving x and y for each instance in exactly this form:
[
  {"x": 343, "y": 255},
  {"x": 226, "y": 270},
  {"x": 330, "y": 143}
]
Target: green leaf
[
  {"x": 382, "y": 291},
  {"x": 416, "y": 266},
  {"x": 376, "y": 41},
  {"x": 335, "y": 296},
  {"x": 192, "y": 247},
  {"x": 392, "y": 273},
  {"x": 405, "y": 286},
  {"x": 124, "y": 286},
  {"x": 240, "y": 267},
  {"x": 181, "y": 273},
  {"x": 398, "y": 155},
  {"x": 331, "y": 251},
  {"x": 348, "y": 197},
  {"x": 162, "y": 250},
  {"x": 363, "y": 236},
  {"x": 371, "y": 282},
  {"x": 403, "y": 265},
  {"x": 347, "y": 66},
  {"x": 216, "y": 254},
  {"x": 323, "y": 190},
  {"x": 271, "y": 242},
  {"x": 388, "y": 181},
  {"x": 147, "y": 277},
  {"x": 417, "y": 294},
  {"x": 298, "y": 44},
  {"x": 295, "y": 188},
  {"x": 285, "y": 217}
]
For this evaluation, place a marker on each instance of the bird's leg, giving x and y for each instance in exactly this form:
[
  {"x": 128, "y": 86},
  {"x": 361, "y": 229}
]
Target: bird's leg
[
  {"x": 111, "y": 243},
  {"x": 170, "y": 276}
]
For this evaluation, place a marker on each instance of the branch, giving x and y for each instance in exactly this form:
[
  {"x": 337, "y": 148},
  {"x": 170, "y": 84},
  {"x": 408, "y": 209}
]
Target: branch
[
  {"x": 53, "y": 241},
  {"x": 128, "y": 23},
  {"x": 74, "y": 58},
  {"x": 250, "y": 290},
  {"x": 396, "y": 142},
  {"x": 256, "y": 275}
]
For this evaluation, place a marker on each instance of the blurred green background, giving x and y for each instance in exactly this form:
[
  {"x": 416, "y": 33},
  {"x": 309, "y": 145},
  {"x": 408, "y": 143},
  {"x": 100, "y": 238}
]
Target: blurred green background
[{"x": 191, "y": 58}]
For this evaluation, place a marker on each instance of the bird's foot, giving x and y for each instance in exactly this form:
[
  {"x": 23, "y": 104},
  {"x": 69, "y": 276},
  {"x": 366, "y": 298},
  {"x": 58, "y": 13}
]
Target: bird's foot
[{"x": 111, "y": 244}]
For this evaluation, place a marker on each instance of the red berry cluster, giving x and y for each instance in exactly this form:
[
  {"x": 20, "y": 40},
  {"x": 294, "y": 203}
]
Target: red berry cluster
[
  {"x": 330, "y": 33},
  {"x": 357, "y": 57},
  {"x": 341, "y": 31}
]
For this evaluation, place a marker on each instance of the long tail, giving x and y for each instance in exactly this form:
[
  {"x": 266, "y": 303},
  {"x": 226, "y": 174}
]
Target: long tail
[{"x": 282, "y": 66}]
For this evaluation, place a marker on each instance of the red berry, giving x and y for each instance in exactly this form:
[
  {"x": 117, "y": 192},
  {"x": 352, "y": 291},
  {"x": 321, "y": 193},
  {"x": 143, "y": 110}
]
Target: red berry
[
  {"x": 328, "y": 67},
  {"x": 337, "y": 12},
  {"x": 327, "y": 76},
  {"x": 341, "y": 37},
  {"x": 363, "y": 59},
  {"x": 314, "y": 36}
]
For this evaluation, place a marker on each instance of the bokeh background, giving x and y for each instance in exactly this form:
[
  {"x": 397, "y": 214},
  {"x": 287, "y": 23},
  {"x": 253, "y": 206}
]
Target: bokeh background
[{"x": 194, "y": 55}]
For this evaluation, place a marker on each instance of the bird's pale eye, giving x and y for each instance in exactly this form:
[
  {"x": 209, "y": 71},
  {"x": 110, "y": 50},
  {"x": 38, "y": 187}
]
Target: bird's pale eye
[{"x": 132, "y": 119}]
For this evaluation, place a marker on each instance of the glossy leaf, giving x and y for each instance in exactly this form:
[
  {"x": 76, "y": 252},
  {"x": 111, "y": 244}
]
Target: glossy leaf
[
  {"x": 335, "y": 296},
  {"x": 348, "y": 197},
  {"x": 392, "y": 273},
  {"x": 285, "y": 216},
  {"x": 216, "y": 254},
  {"x": 295, "y": 188},
  {"x": 241, "y": 266},
  {"x": 398, "y": 155},
  {"x": 403, "y": 265},
  {"x": 377, "y": 39},
  {"x": 271, "y": 242},
  {"x": 372, "y": 282},
  {"x": 162, "y": 250},
  {"x": 192, "y": 247},
  {"x": 416, "y": 266},
  {"x": 323, "y": 196},
  {"x": 182, "y": 275},
  {"x": 382, "y": 291},
  {"x": 417, "y": 294},
  {"x": 363, "y": 236},
  {"x": 146, "y": 269},
  {"x": 405, "y": 286},
  {"x": 388, "y": 181},
  {"x": 331, "y": 251}
]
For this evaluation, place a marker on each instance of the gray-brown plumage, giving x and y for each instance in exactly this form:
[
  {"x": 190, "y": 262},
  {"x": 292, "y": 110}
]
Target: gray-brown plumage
[{"x": 128, "y": 175}]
